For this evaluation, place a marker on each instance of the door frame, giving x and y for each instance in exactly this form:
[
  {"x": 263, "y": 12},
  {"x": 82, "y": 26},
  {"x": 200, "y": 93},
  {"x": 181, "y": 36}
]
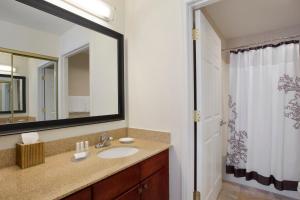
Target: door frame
[
  {"x": 188, "y": 162},
  {"x": 41, "y": 87},
  {"x": 64, "y": 71}
]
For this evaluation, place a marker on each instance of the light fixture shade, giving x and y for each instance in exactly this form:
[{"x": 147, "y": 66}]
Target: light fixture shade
[
  {"x": 6, "y": 68},
  {"x": 97, "y": 8}
]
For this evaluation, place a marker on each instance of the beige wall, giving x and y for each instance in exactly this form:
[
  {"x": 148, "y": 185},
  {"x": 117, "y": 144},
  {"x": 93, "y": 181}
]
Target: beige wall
[
  {"x": 79, "y": 75},
  {"x": 157, "y": 76}
]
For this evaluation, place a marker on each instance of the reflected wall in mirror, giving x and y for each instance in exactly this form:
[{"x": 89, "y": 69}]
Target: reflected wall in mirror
[{"x": 60, "y": 70}]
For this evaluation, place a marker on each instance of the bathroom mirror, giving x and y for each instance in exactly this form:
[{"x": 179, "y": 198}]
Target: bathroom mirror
[
  {"x": 17, "y": 99},
  {"x": 57, "y": 69}
]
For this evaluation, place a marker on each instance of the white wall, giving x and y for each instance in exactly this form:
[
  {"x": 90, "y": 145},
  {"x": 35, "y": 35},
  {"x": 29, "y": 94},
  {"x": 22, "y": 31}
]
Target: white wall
[
  {"x": 22, "y": 38},
  {"x": 103, "y": 69},
  {"x": 5, "y": 59},
  {"x": 267, "y": 36},
  {"x": 104, "y": 76},
  {"x": 157, "y": 75},
  {"x": 37, "y": 44}
]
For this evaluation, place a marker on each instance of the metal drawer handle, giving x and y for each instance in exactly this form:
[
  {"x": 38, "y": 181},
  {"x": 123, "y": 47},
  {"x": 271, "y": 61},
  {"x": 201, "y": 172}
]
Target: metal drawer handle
[
  {"x": 140, "y": 190},
  {"x": 146, "y": 186}
]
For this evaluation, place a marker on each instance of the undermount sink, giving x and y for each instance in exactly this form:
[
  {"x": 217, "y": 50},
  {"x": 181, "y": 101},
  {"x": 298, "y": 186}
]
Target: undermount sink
[{"x": 118, "y": 152}]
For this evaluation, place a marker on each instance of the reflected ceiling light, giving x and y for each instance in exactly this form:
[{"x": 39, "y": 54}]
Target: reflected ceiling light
[
  {"x": 6, "y": 68},
  {"x": 97, "y": 8}
]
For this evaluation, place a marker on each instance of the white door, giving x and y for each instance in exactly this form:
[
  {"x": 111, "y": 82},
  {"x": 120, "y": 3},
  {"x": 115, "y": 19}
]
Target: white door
[{"x": 208, "y": 49}]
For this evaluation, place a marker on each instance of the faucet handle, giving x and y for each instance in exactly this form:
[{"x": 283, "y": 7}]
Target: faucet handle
[{"x": 103, "y": 137}]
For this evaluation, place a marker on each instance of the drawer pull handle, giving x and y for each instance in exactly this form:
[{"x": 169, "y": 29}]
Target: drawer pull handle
[
  {"x": 146, "y": 186},
  {"x": 140, "y": 190}
]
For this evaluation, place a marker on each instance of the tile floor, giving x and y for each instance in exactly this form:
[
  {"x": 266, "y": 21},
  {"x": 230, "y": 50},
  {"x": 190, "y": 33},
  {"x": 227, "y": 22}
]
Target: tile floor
[{"x": 231, "y": 191}]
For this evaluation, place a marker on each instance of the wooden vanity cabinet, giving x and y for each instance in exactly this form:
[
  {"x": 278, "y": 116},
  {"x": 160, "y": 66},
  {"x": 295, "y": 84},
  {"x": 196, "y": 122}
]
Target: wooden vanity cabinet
[
  {"x": 148, "y": 180},
  {"x": 156, "y": 187},
  {"x": 85, "y": 194},
  {"x": 117, "y": 184},
  {"x": 133, "y": 194}
]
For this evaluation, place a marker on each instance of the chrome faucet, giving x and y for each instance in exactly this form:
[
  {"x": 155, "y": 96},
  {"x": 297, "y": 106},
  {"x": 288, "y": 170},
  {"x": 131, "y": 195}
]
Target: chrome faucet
[{"x": 104, "y": 141}]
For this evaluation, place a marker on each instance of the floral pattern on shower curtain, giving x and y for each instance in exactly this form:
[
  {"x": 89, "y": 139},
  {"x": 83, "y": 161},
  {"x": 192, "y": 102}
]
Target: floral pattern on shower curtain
[
  {"x": 290, "y": 84},
  {"x": 264, "y": 121},
  {"x": 237, "y": 154}
]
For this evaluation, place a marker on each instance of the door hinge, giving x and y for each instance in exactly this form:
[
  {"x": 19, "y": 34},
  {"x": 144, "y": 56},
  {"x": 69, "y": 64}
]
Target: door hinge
[
  {"x": 195, "y": 34},
  {"x": 196, "y": 195},
  {"x": 222, "y": 122},
  {"x": 197, "y": 116}
]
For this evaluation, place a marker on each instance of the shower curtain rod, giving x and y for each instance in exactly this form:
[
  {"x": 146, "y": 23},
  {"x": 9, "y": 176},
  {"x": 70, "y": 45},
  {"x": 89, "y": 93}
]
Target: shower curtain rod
[{"x": 261, "y": 43}]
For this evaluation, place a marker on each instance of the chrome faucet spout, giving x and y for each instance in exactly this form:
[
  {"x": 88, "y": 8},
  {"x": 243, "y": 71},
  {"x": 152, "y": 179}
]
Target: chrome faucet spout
[{"x": 104, "y": 141}]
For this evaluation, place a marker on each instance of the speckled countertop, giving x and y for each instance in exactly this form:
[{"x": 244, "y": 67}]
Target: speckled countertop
[{"x": 60, "y": 177}]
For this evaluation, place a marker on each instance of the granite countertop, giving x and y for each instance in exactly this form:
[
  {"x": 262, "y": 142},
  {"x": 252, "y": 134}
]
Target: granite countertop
[{"x": 60, "y": 176}]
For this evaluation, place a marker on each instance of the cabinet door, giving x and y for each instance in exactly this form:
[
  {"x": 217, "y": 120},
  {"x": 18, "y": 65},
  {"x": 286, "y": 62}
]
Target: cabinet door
[
  {"x": 134, "y": 194},
  {"x": 85, "y": 194},
  {"x": 156, "y": 186},
  {"x": 114, "y": 186},
  {"x": 153, "y": 164}
]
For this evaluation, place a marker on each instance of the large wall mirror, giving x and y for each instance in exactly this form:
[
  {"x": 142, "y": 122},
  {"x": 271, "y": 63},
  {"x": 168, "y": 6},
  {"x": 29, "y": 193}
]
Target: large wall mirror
[{"x": 57, "y": 69}]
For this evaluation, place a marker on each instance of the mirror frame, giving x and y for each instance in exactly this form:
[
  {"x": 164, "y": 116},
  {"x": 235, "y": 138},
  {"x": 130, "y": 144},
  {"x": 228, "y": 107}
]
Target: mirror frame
[
  {"x": 23, "y": 78},
  {"x": 17, "y": 128}
]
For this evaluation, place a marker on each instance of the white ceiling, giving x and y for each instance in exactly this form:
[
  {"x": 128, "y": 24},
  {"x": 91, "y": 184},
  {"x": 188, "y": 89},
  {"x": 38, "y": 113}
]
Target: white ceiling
[
  {"x": 238, "y": 18},
  {"x": 18, "y": 13}
]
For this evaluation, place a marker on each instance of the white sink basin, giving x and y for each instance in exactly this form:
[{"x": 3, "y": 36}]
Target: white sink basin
[{"x": 118, "y": 152}]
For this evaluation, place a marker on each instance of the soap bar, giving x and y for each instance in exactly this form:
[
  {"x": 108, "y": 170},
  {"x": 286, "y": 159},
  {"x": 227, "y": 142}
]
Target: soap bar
[
  {"x": 81, "y": 155},
  {"x": 126, "y": 140}
]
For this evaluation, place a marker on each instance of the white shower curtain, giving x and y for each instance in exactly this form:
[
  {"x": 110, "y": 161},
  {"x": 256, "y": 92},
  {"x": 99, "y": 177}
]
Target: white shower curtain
[{"x": 264, "y": 121}]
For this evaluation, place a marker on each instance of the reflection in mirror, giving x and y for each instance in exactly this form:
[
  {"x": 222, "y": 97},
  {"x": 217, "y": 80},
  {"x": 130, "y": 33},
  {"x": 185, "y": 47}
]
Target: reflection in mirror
[
  {"x": 79, "y": 83},
  {"x": 61, "y": 70},
  {"x": 40, "y": 88},
  {"x": 4, "y": 94},
  {"x": 16, "y": 98},
  {"x": 18, "y": 94}
]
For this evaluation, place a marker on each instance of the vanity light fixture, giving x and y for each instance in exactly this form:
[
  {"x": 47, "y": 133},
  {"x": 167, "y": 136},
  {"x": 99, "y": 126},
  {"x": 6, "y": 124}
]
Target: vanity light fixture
[
  {"x": 97, "y": 8},
  {"x": 6, "y": 68}
]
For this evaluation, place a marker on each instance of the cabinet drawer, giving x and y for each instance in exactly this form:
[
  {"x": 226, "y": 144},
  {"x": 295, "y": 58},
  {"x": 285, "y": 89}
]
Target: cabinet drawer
[
  {"x": 156, "y": 186},
  {"x": 153, "y": 164},
  {"x": 85, "y": 194},
  {"x": 133, "y": 194},
  {"x": 117, "y": 184}
]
